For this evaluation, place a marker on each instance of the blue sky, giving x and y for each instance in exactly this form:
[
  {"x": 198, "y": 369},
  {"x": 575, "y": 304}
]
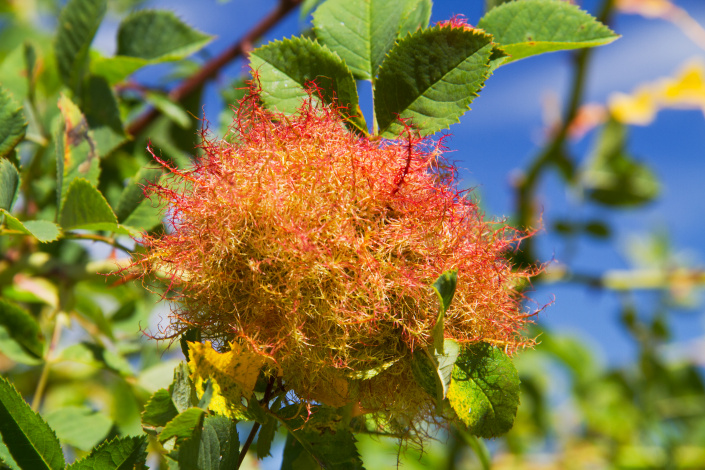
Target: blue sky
[{"x": 505, "y": 127}]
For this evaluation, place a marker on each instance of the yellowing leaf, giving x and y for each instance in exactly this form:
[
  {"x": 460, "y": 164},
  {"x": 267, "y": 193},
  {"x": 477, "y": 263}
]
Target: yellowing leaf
[
  {"x": 233, "y": 375},
  {"x": 684, "y": 91},
  {"x": 639, "y": 108},
  {"x": 648, "y": 8}
]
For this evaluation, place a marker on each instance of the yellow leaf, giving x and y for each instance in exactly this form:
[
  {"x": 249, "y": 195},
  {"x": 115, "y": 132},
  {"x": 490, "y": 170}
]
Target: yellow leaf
[
  {"x": 232, "y": 373},
  {"x": 648, "y": 8},
  {"x": 688, "y": 87},
  {"x": 639, "y": 108}
]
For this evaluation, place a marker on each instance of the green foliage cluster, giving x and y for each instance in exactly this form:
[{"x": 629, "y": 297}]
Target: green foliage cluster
[{"x": 73, "y": 128}]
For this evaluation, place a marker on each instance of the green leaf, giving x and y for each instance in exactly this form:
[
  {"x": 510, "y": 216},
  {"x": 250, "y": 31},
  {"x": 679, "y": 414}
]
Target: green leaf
[
  {"x": 79, "y": 426},
  {"x": 169, "y": 109},
  {"x": 116, "y": 69},
  {"x": 103, "y": 115},
  {"x": 266, "y": 436},
  {"x": 431, "y": 77},
  {"x": 23, "y": 328},
  {"x": 158, "y": 35},
  {"x": 284, "y": 69},
  {"x": 182, "y": 389},
  {"x": 14, "y": 350},
  {"x": 432, "y": 370},
  {"x": 160, "y": 409},
  {"x": 484, "y": 390},
  {"x": 13, "y": 123},
  {"x": 531, "y": 27},
  {"x": 133, "y": 194},
  {"x": 296, "y": 457},
  {"x": 86, "y": 208},
  {"x": 444, "y": 287},
  {"x": 322, "y": 434},
  {"x": 361, "y": 32},
  {"x": 416, "y": 16},
  {"x": 42, "y": 230},
  {"x": 219, "y": 447},
  {"x": 30, "y": 440},
  {"x": 9, "y": 183},
  {"x": 613, "y": 177},
  {"x": 122, "y": 453},
  {"x": 78, "y": 23},
  {"x": 6, "y": 457},
  {"x": 76, "y": 150},
  {"x": 193, "y": 335},
  {"x": 183, "y": 425}
]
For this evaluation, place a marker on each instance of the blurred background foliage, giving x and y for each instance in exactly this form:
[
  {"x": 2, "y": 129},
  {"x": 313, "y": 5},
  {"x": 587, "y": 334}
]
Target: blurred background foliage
[{"x": 89, "y": 366}]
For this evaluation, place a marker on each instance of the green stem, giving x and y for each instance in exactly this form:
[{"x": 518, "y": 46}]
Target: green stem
[
  {"x": 100, "y": 238},
  {"x": 553, "y": 152},
  {"x": 43, "y": 378}
]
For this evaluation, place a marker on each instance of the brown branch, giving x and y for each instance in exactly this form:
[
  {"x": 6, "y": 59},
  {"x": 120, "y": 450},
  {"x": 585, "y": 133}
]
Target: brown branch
[
  {"x": 212, "y": 67},
  {"x": 256, "y": 425}
]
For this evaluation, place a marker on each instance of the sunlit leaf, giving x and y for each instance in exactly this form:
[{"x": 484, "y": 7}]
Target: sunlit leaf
[
  {"x": 430, "y": 78},
  {"x": 43, "y": 230},
  {"x": 29, "y": 438},
  {"x": 122, "y": 453},
  {"x": 159, "y": 410},
  {"x": 234, "y": 374},
  {"x": 285, "y": 68},
  {"x": 158, "y": 35},
  {"x": 183, "y": 425},
  {"x": 484, "y": 390},
  {"x": 531, "y": 27},
  {"x": 79, "y": 426},
  {"x": 432, "y": 369},
  {"x": 86, "y": 208},
  {"x": 361, "y": 32}
]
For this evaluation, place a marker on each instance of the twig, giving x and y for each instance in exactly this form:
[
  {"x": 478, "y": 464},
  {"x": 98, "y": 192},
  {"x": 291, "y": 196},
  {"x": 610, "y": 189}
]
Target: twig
[
  {"x": 99, "y": 238},
  {"x": 255, "y": 427},
  {"x": 212, "y": 67},
  {"x": 41, "y": 384}
]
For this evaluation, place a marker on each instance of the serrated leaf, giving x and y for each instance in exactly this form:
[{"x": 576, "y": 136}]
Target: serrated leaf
[
  {"x": 531, "y": 27},
  {"x": 361, "y": 32},
  {"x": 265, "y": 437},
  {"x": 159, "y": 410},
  {"x": 612, "y": 176},
  {"x": 219, "y": 445},
  {"x": 182, "y": 389},
  {"x": 103, "y": 115},
  {"x": 78, "y": 22},
  {"x": 122, "y": 453},
  {"x": 86, "y": 208},
  {"x": 284, "y": 69},
  {"x": 13, "y": 123},
  {"x": 23, "y": 328},
  {"x": 234, "y": 374},
  {"x": 484, "y": 390},
  {"x": 183, "y": 425},
  {"x": 9, "y": 184},
  {"x": 322, "y": 434},
  {"x": 79, "y": 426},
  {"x": 42, "y": 230},
  {"x": 432, "y": 369},
  {"x": 430, "y": 78},
  {"x": 158, "y": 35},
  {"x": 296, "y": 457},
  {"x": 76, "y": 150},
  {"x": 29, "y": 438}
]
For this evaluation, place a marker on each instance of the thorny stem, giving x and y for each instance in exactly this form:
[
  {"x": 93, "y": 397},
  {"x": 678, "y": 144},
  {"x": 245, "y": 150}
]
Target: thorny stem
[
  {"x": 212, "y": 67},
  {"x": 553, "y": 153},
  {"x": 256, "y": 425}
]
